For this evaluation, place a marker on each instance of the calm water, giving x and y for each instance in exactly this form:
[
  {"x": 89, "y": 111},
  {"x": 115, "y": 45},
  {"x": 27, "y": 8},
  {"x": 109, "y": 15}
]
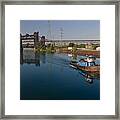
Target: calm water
[{"x": 49, "y": 77}]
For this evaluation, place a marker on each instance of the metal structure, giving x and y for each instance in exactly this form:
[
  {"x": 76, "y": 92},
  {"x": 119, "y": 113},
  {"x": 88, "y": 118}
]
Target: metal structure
[
  {"x": 50, "y": 34},
  {"x": 61, "y": 33},
  {"x": 29, "y": 41}
]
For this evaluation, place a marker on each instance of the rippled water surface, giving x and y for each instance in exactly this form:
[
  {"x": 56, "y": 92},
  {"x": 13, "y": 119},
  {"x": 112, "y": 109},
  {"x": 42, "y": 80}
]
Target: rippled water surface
[{"x": 50, "y": 77}]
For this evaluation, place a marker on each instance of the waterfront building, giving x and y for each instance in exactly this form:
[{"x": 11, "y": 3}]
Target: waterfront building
[
  {"x": 69, "y": 48},
  {"x": 98, "y": 48},
  {"x": 29, "y": 40},
  {"x": 66, "y": 42},
  {"x": 34, "y": 40},
  {"x": 89, "y": 46}
]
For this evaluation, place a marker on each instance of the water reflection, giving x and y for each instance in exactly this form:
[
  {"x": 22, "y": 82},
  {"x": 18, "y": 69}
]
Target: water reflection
[
  {"x": 43, "y": 57},
  {"x": 89, "y": 77},
  {"x": 54, "y": 79},
  {"x": 32, "y": 57},
  {"x": 72, "y": 56},
  {"x": 29, "y": 57}
]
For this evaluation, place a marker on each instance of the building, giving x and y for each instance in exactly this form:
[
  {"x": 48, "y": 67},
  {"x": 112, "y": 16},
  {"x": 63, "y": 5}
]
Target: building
[
  {"x": 76, "y": 42},
  {"x": 34, "y": 40},
  {"x": 98, "y": 48},
  {"x": 29, "y": 40}
]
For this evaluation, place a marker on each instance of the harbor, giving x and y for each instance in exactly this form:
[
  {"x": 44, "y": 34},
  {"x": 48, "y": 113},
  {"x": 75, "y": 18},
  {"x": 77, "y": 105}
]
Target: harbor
[{"x": 60, "y": 60}]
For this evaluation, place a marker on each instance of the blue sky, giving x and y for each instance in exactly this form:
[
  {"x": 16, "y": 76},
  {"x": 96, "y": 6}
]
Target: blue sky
[{"x": 72, "y": 29}]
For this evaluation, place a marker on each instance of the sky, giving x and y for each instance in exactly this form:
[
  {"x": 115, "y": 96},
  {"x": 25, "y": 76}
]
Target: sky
[{"x": 71, "y": 29}]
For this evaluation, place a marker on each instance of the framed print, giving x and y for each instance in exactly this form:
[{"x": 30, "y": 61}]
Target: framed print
[{"x": 60, "y": 59}]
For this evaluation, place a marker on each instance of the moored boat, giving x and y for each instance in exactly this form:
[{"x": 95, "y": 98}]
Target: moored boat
[
  {"x": 87, "y": 65},
  {"x": 95, "y": 68}
]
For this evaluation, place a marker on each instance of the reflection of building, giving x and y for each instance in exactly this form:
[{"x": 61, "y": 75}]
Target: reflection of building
[{"x": 30, "y": 57}]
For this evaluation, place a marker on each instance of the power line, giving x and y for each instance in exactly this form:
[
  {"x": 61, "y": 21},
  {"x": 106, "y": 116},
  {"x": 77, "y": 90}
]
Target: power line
[{"x": 61, "y": 33}]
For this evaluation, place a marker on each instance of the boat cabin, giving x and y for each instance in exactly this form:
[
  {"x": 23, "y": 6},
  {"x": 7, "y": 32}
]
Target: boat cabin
[{"x": 88, "y": 61}]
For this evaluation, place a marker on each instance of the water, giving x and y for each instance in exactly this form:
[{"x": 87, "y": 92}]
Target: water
[{"x": 50, "y": 77}]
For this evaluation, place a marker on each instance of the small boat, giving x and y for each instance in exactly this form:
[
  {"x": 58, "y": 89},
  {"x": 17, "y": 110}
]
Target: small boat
[
  {"x": 95, "y": 68},
  {"x": 87, "y": 65}
]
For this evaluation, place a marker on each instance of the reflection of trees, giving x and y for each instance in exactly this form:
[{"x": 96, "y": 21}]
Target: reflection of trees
[{"x": 74, "y": 56}]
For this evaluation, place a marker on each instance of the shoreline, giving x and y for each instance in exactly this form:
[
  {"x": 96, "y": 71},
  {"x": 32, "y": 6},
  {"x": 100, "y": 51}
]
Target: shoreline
[
  {"x": 77, "y": 52},
  {"x": 83, "y": 52}
]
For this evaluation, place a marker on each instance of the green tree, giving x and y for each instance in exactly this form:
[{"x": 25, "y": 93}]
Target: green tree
[
  {"x": 81, "y": 46},
  {"x": 71, "y": 44}
]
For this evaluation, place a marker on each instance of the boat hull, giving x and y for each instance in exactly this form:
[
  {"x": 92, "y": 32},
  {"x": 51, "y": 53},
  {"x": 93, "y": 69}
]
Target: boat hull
[{"x": 91, "y": 69}]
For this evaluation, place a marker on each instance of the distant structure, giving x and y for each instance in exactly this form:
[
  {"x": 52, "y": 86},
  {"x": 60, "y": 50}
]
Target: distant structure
[
  {"x": 34, "y": 41},
  {"x": 98, "y": 48},
  {"x": 66, "y": 42},
  {"x": 61, "y": 33},
  {"x": 42, "y": 41},
  {"x": 29, "y": 41},
  {"x": 50, "y": 33}
]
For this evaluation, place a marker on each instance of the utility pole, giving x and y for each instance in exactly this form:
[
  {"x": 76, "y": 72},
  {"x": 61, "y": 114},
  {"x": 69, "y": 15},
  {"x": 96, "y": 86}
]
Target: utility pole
[
  {"x": 61, "y": 33},
  {"x": 50, "y": 35}
]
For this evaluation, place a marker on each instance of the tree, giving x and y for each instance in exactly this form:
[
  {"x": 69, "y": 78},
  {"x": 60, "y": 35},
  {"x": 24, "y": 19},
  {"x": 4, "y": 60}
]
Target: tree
[
  {"x": 71, "y": 44},
  {"x": 81, "y": 46}
]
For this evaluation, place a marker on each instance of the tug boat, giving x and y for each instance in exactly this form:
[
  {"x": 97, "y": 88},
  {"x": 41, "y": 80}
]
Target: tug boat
[{"x": 86, "y": 64}]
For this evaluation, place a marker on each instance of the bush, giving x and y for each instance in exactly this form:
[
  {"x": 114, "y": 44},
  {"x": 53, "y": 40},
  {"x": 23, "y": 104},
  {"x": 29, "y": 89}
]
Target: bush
[
  {"x": 71, "y": 44},
  {"x": 81, "y": 46}
]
